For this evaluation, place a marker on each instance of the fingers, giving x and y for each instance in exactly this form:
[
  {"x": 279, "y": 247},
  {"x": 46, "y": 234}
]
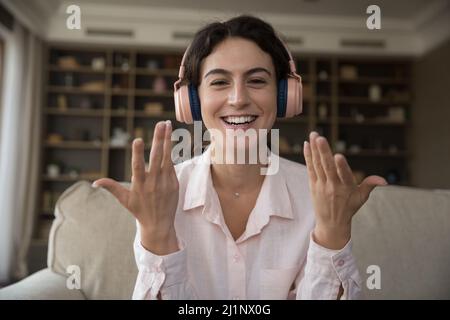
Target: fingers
[
  {"x": 138, "y": 162},
  {"x": 315, "y": 155},
  {"x": 167, "y": 163},
  {"x": 344, "y": 170},
  {"x": 308, "y": 158},
  {"x": 368, "y": 184},
  {"x": 322, "y": 165},
  {"x": 327, "y": 160},
  {"x": 118, "y": 191},
  {"x": 156, "y": 152}
]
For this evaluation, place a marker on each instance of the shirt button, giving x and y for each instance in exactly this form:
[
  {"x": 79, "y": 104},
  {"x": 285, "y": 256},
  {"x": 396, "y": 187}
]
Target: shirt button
[
  {"x": 341, "y": 263},
  {"x": 236, "y": 257}
]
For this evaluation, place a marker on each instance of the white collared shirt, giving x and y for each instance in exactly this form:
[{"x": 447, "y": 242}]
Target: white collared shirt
[{"x": 275, "y": 258}]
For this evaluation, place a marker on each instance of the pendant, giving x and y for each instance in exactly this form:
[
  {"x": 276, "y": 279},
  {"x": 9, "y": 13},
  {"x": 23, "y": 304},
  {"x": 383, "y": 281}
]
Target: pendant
[{"x": 236, "y": 194}]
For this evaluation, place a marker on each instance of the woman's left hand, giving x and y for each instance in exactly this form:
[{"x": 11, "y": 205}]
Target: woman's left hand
[{"x": 336, "y": 196}]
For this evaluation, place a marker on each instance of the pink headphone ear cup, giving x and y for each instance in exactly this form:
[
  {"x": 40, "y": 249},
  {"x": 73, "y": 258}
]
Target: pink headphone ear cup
[
  {"x": 182, "y": 105},
  {"x": 294, "y": 104}
]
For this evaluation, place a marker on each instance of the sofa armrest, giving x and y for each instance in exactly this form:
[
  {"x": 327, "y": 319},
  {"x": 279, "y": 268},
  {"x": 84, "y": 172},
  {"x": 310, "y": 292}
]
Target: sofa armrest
[{"x": 42, "y": 285}]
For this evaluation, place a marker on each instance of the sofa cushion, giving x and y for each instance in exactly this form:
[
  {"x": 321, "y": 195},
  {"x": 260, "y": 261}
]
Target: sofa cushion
[
  {"x": 94, "y": 231},
  {"x": 42, "y": 285},
  {"x": 406, "y": 232}
]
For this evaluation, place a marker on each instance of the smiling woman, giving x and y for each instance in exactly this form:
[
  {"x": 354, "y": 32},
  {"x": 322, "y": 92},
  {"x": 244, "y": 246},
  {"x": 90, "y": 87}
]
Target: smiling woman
[
  {"x": 223, "y": 231},
  {"x": 241, "y": 95}
]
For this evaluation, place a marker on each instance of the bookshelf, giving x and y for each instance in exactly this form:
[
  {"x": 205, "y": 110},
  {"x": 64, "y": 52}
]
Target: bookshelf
[
  {"x": 362, "y": 106},
  {"x": 97, "y": 99}
]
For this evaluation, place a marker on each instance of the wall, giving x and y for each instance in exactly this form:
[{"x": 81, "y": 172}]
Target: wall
[{"x": 430, "y": 132}]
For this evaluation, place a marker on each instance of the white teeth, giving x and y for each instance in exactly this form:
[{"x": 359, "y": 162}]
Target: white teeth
[{"x": 239, "y": 120}]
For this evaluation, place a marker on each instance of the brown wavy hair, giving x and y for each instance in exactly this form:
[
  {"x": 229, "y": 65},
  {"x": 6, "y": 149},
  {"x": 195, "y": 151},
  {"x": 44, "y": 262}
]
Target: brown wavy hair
[{"x": 244, "y": 26}]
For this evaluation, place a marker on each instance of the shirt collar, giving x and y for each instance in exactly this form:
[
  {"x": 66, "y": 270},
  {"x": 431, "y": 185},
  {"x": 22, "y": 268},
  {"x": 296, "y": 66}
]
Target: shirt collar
[
  {"x": 199, "y": 181},
  {"x": 273, "y": 199}
]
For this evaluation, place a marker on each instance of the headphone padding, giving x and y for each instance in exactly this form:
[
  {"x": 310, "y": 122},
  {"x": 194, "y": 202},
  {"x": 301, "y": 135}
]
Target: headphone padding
[
  {"x": 194, "y": 102},
  {"x": 281, "y": 98}
]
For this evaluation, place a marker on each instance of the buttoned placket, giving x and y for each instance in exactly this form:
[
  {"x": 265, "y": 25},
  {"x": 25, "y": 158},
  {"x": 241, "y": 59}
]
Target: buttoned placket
[
  {"x": 235, "y": 259},
  {"x": 236, "y": 267}
]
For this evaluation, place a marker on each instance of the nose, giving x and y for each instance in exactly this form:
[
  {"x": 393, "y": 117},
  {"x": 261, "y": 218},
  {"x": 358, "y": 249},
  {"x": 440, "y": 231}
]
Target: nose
[{"x": 238, "y": 96}]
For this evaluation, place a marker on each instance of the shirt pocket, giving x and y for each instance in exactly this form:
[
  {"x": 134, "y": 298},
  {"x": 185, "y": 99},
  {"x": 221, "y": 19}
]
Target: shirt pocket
[{"x": 275, "y": 284}]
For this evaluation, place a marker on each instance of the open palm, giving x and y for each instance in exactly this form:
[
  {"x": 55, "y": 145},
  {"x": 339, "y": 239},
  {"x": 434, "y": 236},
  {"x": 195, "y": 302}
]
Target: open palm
[
  {"x": 336, "y": 196},
  {"x": 153, "y": 195}
]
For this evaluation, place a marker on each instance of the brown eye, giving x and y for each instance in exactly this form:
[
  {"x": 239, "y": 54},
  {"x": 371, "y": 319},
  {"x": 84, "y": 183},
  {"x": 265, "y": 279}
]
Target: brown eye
[
  {"x": 258, "y": 81},
  {"x": 218, "y": 83}
]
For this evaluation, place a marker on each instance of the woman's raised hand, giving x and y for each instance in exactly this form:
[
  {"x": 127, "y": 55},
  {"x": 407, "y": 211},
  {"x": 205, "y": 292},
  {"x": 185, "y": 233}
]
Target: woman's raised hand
[
  {"x": 153, "y": 195},
  {"x": 336, "y": 196}
]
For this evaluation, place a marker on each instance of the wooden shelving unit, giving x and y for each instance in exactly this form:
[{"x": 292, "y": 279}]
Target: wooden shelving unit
[{"x": 93, "y": 92}]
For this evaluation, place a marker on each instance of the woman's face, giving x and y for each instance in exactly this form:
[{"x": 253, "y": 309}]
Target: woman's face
[{"x": 238, "y": 87}]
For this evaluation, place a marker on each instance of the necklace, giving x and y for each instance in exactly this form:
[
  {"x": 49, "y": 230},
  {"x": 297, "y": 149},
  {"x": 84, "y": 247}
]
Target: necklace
[{"x": 236, "y": 194}]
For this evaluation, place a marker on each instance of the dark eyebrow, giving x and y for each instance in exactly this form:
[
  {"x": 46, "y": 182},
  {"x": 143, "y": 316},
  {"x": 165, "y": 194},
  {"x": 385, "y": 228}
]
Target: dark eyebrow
[{"x": 248, "y": 72}]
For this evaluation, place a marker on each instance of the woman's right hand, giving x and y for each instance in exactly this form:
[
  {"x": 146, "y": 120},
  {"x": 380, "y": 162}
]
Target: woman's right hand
[{"x": 153, "y": 196}]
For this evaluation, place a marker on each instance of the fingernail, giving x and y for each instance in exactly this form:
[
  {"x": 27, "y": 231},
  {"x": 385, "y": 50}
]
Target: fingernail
[
  {"x": 305, "y": 144},
  {"x": 138, "y": 140},
  {"x": 169, "y": 123},
  {"x": 94, "y": 185}
]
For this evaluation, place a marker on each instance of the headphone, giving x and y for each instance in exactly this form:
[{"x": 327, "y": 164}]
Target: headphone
[{"x": 289, "y": 95}]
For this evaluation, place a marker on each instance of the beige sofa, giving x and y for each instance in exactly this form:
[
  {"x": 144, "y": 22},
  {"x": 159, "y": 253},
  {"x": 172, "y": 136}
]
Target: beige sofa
[{"x": 404, "y": 231}]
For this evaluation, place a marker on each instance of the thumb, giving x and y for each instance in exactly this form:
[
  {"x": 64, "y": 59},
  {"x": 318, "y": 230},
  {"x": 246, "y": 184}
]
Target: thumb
[
  {"x": 120, "y": 192},
  {"x": 369, "y": 183}
]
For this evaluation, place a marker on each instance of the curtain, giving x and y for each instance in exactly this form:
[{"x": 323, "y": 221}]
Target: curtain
[{"x": 19, "y": 148}]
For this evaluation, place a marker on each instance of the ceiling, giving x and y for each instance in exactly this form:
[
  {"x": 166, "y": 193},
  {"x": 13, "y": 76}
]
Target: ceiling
[
  {"x": 402, "y": 9},
  {"x": 408, "y": 25}
]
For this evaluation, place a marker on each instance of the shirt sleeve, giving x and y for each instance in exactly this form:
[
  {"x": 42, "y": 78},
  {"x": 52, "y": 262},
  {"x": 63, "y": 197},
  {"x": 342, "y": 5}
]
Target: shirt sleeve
[
  {"x": 326, "y": 270},
  {"x": 161, "y": 274}
]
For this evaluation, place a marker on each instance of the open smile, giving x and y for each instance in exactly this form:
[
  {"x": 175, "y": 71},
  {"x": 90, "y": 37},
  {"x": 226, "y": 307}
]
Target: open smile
[
  {"x": 235, "y": 122},
  {"x": 239, "y": 120}
]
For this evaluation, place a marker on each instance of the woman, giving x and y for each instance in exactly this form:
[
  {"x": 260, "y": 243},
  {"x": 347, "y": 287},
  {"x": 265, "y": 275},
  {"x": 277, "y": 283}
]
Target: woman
[{"x": 211, "y": 230}]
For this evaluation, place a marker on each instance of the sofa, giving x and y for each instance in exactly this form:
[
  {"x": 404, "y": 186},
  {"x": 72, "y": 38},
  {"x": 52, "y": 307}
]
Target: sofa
[{"x": 401, "y": 236}]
